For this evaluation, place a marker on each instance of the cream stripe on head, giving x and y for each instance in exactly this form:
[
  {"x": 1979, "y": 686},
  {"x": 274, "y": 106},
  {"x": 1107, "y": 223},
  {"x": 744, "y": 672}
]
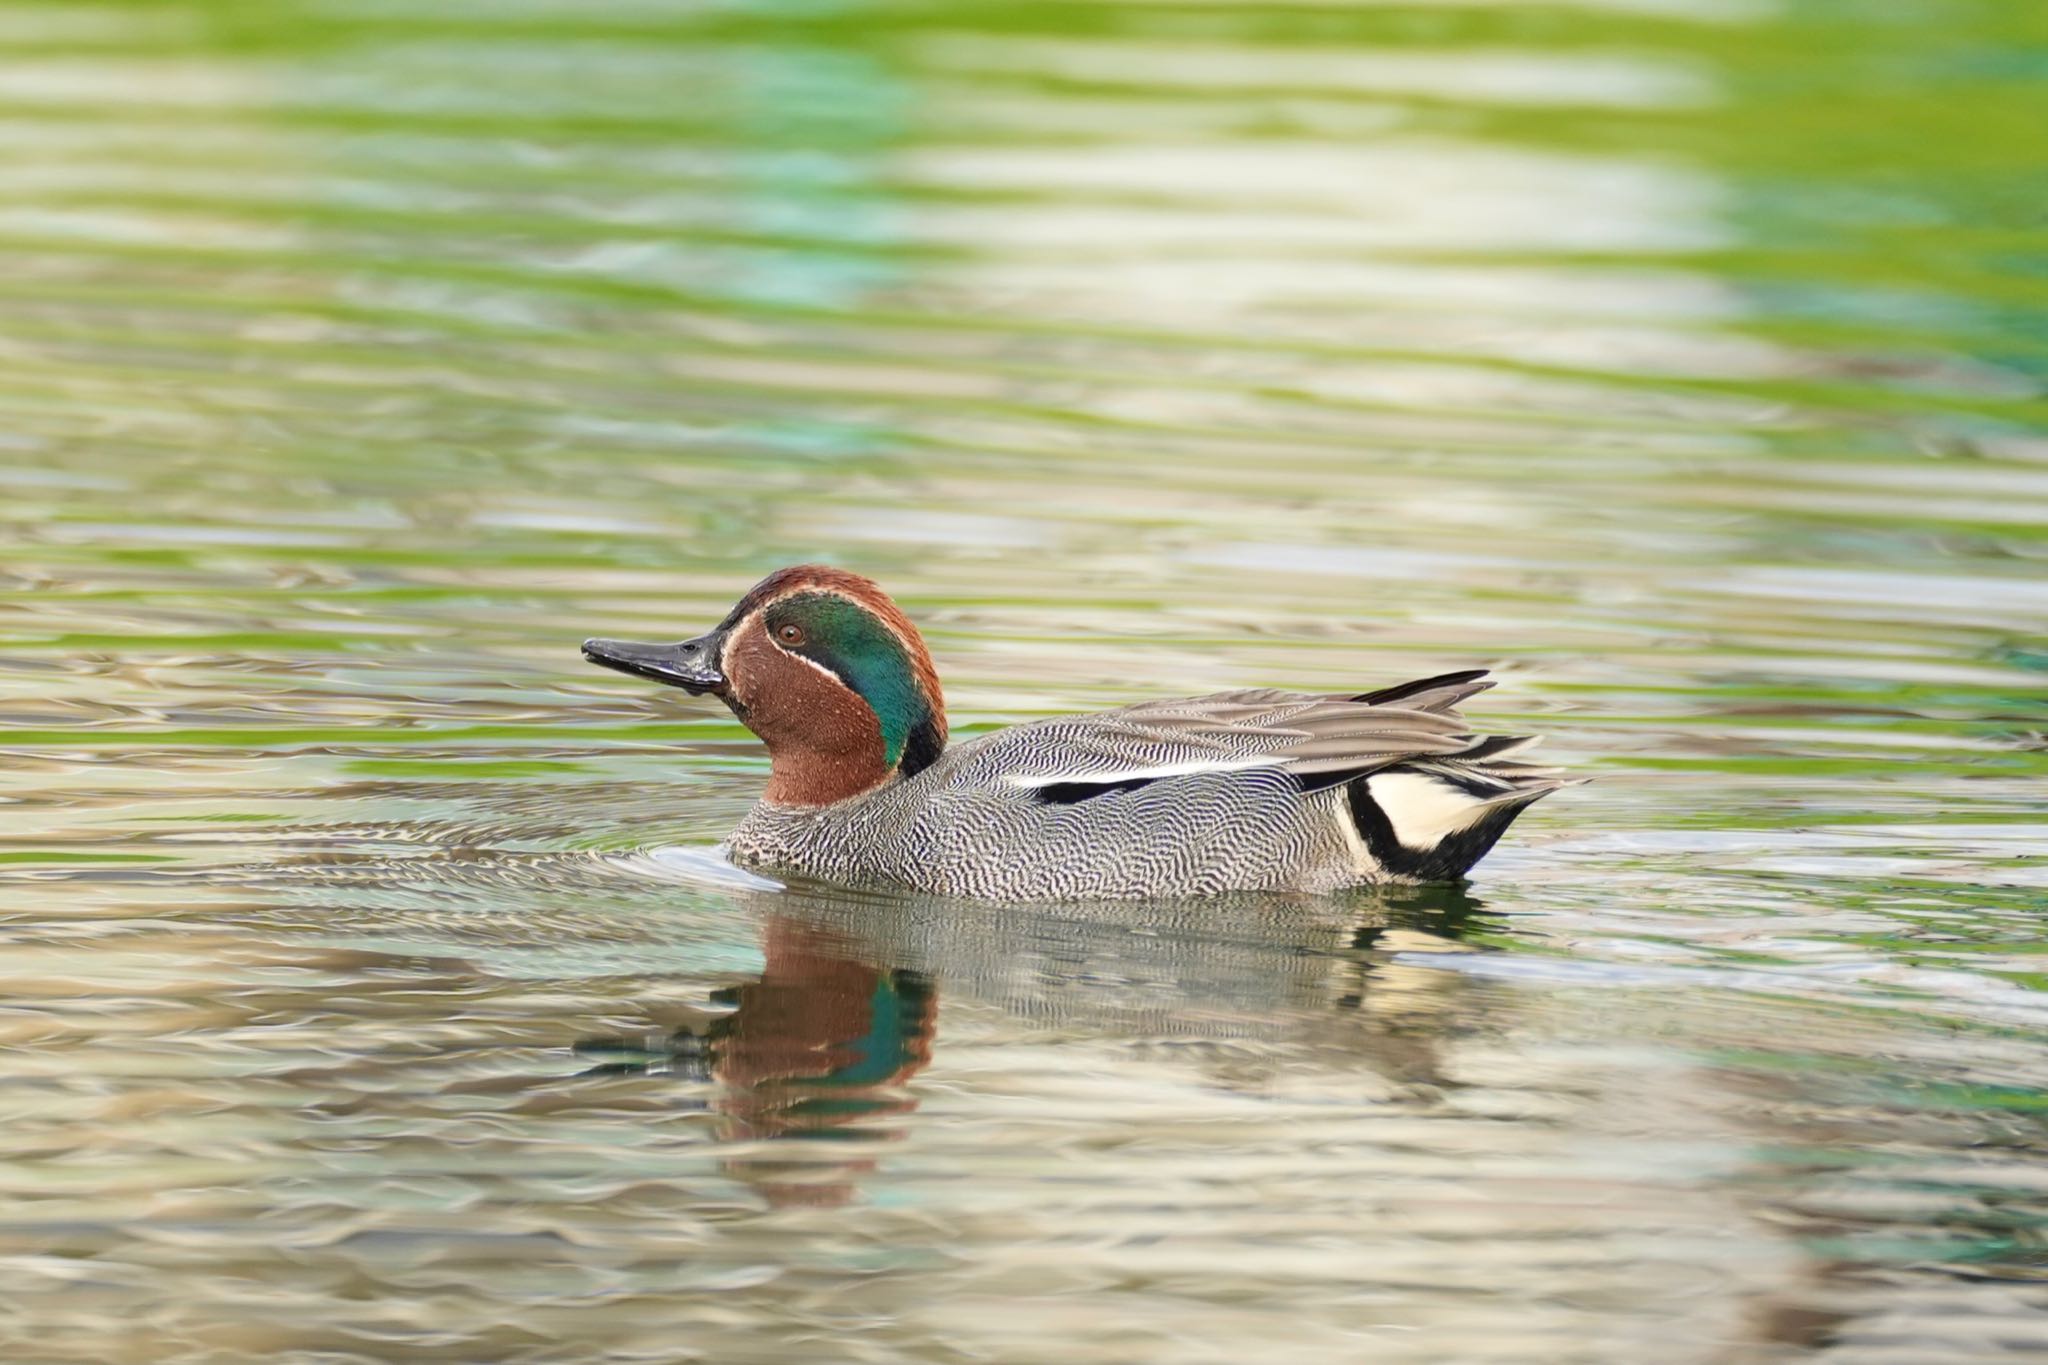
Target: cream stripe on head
[{"x": 753, "y": 619}]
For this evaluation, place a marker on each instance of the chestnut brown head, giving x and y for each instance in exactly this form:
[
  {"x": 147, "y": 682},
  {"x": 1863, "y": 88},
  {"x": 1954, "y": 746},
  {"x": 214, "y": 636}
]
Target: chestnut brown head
[{"x": 824, "y": 668}]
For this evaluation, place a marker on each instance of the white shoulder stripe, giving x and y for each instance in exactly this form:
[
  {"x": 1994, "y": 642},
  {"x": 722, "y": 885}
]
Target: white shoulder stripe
[{"x": 1032, "y": 781}]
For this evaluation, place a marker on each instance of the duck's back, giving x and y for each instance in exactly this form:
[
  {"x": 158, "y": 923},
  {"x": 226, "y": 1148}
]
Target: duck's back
[{"x": 1236, "y": 791}]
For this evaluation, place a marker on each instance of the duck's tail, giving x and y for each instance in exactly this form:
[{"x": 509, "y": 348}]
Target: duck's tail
[{"x": 1430, "y": 819}]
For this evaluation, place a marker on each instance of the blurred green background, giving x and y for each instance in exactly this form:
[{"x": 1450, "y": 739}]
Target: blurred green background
[{"x": 1682, "y": 359}]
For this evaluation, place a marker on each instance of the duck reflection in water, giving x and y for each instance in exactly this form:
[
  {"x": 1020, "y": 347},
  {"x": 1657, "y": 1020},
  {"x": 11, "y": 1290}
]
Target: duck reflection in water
[
  {"x": 845, "y": 1011},
  {"x": 818, "y": 1042}
]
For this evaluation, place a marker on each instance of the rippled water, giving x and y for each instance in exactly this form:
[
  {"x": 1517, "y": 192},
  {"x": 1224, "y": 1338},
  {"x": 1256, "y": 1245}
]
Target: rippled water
[{"x": 368, "y": 995}]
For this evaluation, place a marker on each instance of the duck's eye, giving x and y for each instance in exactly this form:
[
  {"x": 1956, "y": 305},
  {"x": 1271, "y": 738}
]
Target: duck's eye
[{"x": 790, "y": 634}]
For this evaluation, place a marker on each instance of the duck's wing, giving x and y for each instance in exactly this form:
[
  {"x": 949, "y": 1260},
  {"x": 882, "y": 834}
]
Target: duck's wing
[
  {"x": 1440, "y": 694},
  {"x": 1320, "y": 739}
]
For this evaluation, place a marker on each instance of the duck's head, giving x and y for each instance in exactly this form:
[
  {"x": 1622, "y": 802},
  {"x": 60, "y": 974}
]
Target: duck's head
[{"x": 824, "y": 668}]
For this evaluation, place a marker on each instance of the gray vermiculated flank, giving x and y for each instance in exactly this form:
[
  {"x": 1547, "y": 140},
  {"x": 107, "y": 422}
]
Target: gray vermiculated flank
[{"x": 1236, "y": 791}]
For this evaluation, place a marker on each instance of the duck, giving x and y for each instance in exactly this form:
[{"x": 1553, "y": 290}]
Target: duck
[{"x": 1248, "y": 790}]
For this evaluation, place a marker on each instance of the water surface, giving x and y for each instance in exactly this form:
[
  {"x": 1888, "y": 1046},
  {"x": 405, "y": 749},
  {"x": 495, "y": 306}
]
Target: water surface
[{"x": 1682, "y": 361}]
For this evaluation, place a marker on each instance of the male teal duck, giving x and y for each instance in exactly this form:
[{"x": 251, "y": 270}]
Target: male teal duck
[{"x": 1251, "y": 790}]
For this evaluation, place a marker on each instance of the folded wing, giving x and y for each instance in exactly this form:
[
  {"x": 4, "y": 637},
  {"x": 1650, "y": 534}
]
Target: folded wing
[{"x": 1321, "y": 740}]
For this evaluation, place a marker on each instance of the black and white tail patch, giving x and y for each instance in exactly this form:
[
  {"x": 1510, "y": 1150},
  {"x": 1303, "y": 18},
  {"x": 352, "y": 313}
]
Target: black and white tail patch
[{"x": 1432, "y": 826}]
